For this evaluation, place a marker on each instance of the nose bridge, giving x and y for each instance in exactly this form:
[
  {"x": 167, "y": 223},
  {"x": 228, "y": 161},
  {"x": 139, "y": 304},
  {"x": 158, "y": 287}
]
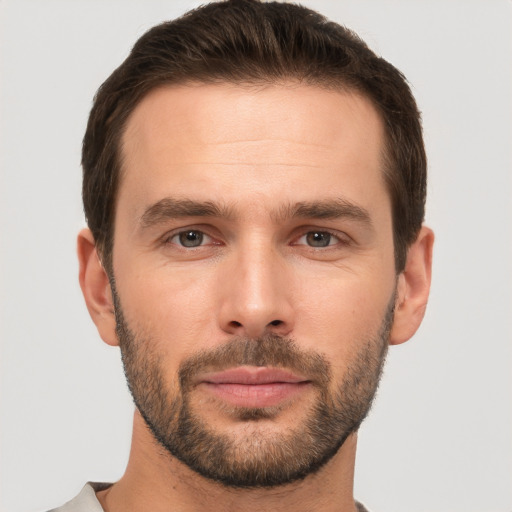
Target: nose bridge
[{"x": 256, "y": 298}]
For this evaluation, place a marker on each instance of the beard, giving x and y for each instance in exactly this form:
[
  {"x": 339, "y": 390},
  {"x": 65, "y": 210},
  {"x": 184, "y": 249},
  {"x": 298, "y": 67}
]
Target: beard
[{"x": 259, "y": 457}]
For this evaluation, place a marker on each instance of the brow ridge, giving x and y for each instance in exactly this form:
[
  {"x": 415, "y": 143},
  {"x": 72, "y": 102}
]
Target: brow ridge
[
  {"x": 172, "y": 208},
  {"x": 329, "y": 209}
]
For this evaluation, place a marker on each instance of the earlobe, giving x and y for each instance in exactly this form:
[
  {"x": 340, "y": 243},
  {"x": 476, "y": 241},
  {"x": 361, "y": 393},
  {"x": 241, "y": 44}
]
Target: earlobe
[
  {"x": 413, "y": 288},
  {"x": 95, "y": 287}
]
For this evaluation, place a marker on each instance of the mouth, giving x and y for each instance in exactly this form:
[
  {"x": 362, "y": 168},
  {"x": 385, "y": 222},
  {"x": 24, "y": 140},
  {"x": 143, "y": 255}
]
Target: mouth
[{"x": 253, "y": 387}]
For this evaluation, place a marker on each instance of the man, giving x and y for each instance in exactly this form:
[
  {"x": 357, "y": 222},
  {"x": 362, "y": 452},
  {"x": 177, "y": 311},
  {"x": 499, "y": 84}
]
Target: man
[{"x": 254, "y": 187}]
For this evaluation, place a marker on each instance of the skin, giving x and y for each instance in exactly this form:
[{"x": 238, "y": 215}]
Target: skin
[{"x": 258, "y": 151}]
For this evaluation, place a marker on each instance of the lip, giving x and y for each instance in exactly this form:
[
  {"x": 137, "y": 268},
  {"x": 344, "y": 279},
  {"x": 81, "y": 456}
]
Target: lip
[
  {"x": 256, "y": 375},
  {"x": 253, "y": 387}
]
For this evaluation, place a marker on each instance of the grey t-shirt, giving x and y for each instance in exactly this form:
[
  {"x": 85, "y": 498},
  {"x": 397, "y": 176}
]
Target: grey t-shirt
[{"x": 86, "y": 501}]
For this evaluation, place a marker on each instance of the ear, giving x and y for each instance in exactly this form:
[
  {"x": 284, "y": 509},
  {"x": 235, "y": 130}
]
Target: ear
[
  {"x": 96, "y": 288},
  {"x": 413, "y": 288}
]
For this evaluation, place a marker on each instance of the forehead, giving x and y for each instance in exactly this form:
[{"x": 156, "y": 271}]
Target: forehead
[{"x": 228, "y": 140}]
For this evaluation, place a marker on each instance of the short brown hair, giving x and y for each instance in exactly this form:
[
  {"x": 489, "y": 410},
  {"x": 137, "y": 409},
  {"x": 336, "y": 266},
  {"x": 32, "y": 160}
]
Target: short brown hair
[{"x": 248, "y": 41}]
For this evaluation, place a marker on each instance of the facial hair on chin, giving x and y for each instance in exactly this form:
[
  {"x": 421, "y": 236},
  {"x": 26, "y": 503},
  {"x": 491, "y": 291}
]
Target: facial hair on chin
[{"x": 260, "y": 459}]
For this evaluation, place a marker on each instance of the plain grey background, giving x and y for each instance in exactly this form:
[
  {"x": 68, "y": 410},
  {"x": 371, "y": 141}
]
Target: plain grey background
[{"x": 439, "y": 436}]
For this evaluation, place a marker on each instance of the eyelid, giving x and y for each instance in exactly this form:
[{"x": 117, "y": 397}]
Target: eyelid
[
  {"x": 166, "y": 239},
  {"x": 216, "y": 239},
  {"x": 342, "y": 237}
]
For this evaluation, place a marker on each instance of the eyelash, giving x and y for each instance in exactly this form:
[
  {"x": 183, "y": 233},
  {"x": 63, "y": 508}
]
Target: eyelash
[
  {"x": 169, "y": 239},
  {"x": 341, "y": 240},
  {"x": 337, "y": 236}
]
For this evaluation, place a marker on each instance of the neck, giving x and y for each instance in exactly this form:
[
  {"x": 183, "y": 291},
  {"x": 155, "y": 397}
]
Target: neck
[{"x": 155, "y": 480}]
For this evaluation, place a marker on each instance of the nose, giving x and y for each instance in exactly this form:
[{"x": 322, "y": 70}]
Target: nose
[{"x": 256, "y": 292}]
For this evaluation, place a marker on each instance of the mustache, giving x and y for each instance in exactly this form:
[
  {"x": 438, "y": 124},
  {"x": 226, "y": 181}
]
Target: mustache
[{"x": 269, "y": 350}]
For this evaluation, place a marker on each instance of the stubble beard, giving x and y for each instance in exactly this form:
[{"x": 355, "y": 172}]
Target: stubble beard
[{"x": 261, "y": 458}]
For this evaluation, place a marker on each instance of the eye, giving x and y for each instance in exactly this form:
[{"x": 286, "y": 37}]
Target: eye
[
  {"x": 190, "y": 238},
  {"x": 318, "y": 239}
]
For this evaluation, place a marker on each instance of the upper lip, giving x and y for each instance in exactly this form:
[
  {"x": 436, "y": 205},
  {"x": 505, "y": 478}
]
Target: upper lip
[{"x": 252, "y": 375}]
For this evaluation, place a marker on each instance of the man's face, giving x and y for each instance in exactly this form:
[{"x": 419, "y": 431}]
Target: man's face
[{"x": 254, "y": 274}]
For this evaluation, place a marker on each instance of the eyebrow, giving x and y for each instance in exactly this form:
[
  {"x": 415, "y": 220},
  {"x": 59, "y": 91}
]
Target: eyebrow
[
  {"x": 171, "y": 208},
  {"x": 331, "y": 209}
]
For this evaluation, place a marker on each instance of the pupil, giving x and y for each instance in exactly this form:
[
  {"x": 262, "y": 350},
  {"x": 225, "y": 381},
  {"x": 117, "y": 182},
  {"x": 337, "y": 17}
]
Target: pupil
[
  {"x": 191, "y": 238},
  {"x": 318, "y": 239}
]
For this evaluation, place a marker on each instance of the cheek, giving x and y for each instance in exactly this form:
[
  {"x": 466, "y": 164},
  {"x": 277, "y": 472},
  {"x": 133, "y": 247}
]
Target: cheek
[
  {"x": 172, "y": 308},
  {"x": 339, "y": 316}
]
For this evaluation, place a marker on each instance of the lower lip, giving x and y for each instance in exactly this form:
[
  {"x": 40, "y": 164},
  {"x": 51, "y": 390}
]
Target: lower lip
[{"x": 256, "y": 395}]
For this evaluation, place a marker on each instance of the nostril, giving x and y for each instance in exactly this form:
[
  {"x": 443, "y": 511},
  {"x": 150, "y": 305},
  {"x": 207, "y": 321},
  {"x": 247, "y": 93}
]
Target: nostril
[{"x": 235, "y": 325}]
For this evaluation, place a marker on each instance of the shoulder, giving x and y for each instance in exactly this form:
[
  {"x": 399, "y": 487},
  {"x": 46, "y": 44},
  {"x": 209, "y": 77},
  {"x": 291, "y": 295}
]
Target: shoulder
[{"x": 85, "y": 501}]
